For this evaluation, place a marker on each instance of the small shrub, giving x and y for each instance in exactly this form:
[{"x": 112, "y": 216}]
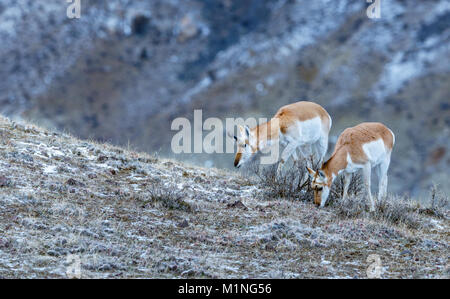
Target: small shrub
[
  {"x": 399, "y": 211},
  {"x": 439, "y": 204},
  {"x": 351, "y": 207},
  {"x": 354, "y": 189},
  {"x": 168, "y": 198},
  {"x": 292, "y": 183}
]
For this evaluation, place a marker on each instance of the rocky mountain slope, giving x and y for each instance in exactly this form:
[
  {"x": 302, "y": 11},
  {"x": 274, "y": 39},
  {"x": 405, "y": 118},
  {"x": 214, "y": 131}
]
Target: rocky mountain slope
[
  {"x": 124, "y": 70},
  {"x": 123, "y": 214}
]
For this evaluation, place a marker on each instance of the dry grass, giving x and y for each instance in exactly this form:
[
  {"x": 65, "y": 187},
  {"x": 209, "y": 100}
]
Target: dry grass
[
  {"x": 355, "y": 188},
  {"x": 294, "y": 184},
  {"x": 127, "y": 214},
  {"x": 439, "y": 204},
  {"x": 400, "y": 211},
  {"x": 168, "y": 198}
]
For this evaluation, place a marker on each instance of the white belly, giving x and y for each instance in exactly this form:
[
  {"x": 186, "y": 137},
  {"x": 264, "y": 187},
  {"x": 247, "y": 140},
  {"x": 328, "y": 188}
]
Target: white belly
[
  {"x": 375, "y": 151},
  {"x": 303, "y": 132}
]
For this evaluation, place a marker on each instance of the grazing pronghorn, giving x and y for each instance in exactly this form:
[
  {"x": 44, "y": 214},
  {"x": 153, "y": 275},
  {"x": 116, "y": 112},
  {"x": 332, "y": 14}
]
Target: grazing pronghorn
[
  {"x": 364, "y": 146},
  {"x": 302, "y": 125}
]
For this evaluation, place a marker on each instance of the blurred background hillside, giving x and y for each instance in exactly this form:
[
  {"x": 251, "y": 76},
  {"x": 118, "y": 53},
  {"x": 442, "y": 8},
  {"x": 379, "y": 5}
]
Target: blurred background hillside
[{"x": 124, "y": 70}]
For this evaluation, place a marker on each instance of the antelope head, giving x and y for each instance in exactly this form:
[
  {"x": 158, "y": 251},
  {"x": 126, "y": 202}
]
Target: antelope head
[
  {"x": 321, "y": 185},
  {"x": 246, "y": 146}
]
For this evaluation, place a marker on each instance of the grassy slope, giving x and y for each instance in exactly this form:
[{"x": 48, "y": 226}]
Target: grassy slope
[{"x": 128, "y": 214}]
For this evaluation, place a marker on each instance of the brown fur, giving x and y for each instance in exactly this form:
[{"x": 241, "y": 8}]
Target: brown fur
[
  {"x": 282, "y": 120},
  {"x": 300, "y": 111},
  {"x": 317, "y": 198},
  {"x": 288, "y": 115},
  {"x": 237, "y": 158},
  {"x": 351, "y": 141},
  {"x": 266, "y": 131}
]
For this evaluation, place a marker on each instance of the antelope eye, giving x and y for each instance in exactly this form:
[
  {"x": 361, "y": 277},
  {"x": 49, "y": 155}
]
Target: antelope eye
[{"x": 319, "y": 188}]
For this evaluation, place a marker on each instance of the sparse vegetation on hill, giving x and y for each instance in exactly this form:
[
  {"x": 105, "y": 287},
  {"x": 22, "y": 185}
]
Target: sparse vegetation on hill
[
  {"x": 128, "y": 214},
  {"x": 126, "y": 69}
]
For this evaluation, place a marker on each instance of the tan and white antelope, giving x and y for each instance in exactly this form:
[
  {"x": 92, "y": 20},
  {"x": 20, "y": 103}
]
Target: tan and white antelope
[
  {"x": 365, "y": 146},
  {"x": 303, "y": 125}
]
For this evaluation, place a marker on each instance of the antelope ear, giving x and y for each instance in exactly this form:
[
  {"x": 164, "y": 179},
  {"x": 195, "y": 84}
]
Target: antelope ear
[
  {"x": 229, "y": 134},
  {"x": 247, "y": 131},
  {"x": 242, "y": 132},
  {"x": 311, "y": 172}
]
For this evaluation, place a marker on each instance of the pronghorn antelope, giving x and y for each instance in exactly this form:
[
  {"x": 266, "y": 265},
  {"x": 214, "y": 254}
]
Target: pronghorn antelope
[
  {"x": 302, "y": 125},
  {"x": 364, "y": 146}
]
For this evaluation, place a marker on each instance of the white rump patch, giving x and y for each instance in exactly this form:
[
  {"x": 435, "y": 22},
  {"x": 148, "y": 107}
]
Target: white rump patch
[{"x": 375, "y": 151}]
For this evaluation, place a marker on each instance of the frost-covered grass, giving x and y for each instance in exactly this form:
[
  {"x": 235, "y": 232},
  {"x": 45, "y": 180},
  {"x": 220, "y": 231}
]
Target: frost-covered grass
[
  {"x": 128, "y": 214},
  {"x": 294, "y": 184}
]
